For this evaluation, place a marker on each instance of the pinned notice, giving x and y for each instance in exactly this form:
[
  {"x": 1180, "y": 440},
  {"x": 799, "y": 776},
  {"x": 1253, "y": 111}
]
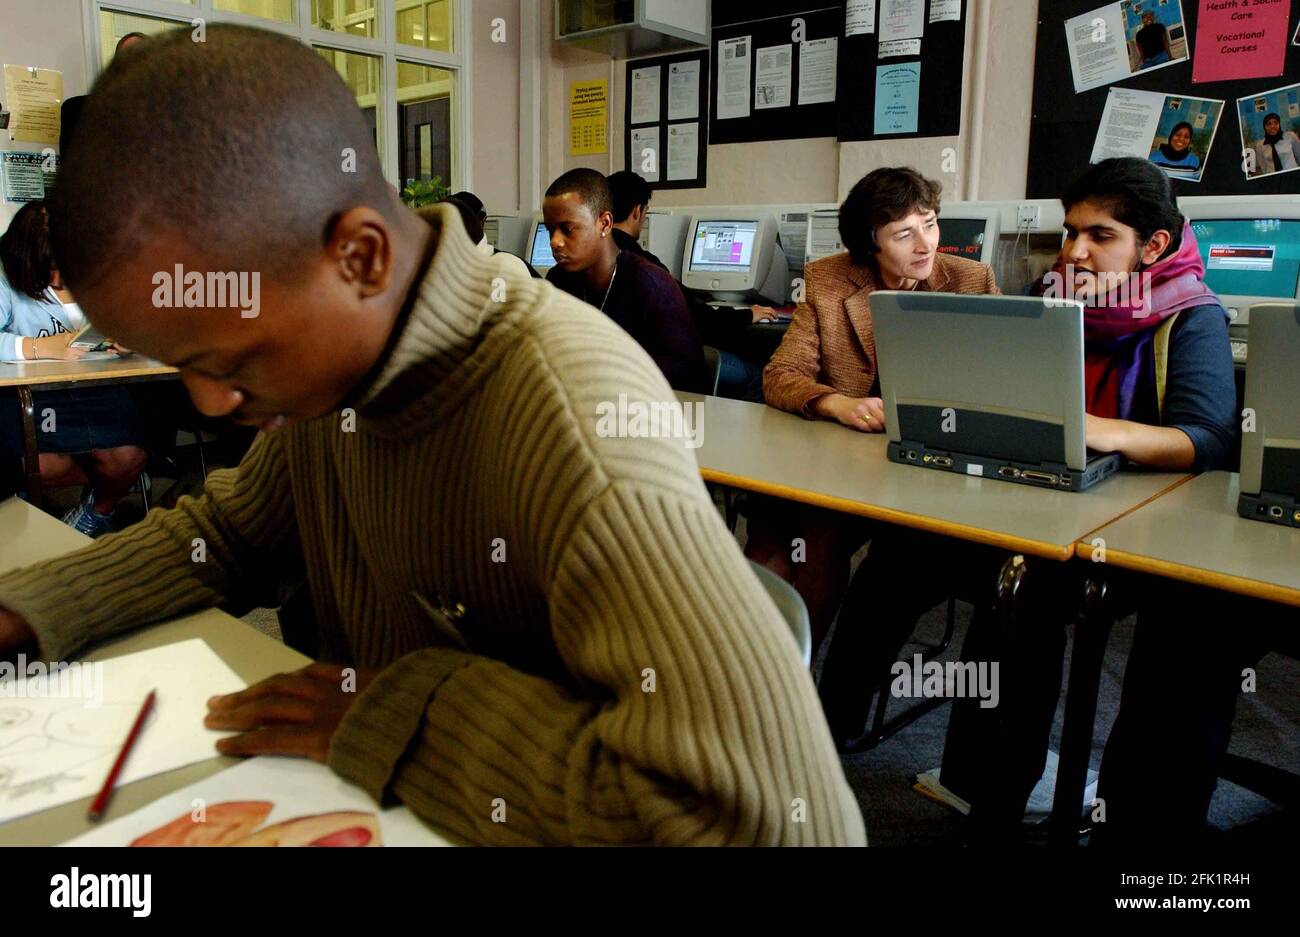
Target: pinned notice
[
  {"x": 1237, "y": 40},
  {"x": 588, "y": 117},
  {"x": 33, "y": 96}
]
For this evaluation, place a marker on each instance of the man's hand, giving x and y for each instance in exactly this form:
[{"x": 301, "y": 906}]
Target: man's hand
[
  {"x": 762, "y": 314},
  {"x": 290, "y": 713},
  {"x": 865, "y": 414},
  {"x": 14, "y": 631}
]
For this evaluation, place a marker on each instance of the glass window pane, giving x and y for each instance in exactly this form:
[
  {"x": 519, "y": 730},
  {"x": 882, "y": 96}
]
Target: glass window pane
[
  {"x": 279, "y": 10},
  {"x": 354, "y": 17},
  {"x": 425, "y": 120},
  {"x": 425, "y": 23},
  {"x": 113, "y": 26},
  {"x": 361, "y": 74}
]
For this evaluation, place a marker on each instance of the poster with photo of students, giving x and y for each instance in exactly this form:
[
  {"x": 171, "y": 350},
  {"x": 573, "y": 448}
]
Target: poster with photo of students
[
  {"x": 1270, "y": 131},
  {"x": 1174, "y": 131}
]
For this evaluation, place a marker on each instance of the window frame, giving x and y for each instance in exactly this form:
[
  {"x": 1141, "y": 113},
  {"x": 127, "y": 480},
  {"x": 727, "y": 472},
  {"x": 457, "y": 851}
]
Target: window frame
[{"x": 383, "y": 46}]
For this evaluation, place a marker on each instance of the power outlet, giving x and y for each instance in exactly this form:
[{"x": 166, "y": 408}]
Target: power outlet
[{"x": 1028, "y": 216}]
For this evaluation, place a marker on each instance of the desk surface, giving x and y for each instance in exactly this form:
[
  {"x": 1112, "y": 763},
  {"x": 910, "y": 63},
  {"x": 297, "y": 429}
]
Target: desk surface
[
  {"x": 65, "y": 373},
  {"x": 1195, "y": 535},
  {"x": 762, "y": 449},
  {"x": 28, "y": 536}
]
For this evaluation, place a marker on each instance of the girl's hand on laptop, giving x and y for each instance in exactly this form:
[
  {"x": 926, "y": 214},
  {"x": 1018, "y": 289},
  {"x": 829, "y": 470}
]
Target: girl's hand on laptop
[
  {"x": 865, "y": 414},
  {"x": 293, "y": 714},
  {"x": 1103, "y": 434},
  {"x": 120, "y": 351}
]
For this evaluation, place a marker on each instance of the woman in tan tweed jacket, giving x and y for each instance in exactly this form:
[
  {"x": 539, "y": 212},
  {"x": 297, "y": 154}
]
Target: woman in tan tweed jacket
[{"x": 826, "y": 365}]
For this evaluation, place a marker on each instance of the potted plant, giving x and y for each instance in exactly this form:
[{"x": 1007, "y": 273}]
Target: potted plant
[{"x": 421, "y": 192}]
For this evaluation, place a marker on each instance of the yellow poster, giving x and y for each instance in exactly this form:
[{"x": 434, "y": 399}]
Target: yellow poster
[
  {"x": 33, "y": 96},
  {"x": 588, "y": 117}
]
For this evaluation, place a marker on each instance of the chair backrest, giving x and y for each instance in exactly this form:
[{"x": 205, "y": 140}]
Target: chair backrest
[
  {"x": 792, "y": 607},
  {"x": 712, "y": 368}
]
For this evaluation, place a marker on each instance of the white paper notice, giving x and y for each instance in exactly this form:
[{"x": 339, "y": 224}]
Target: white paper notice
[
  {"x": 645, "y": 94},
  {"x": 60, "y": 734},
  {"x": 267, "y": 802},
  {"x": 860, "y": 17},
  {"x": 889, "y": 50},
  {"x": 941, "y": 10},
  {"x": 684, "y": 91},
  {"x": 1127, "y": 124},
  {"x": 772, "y": 79},
  {"x": 646, "y": 153},
  {"x": 902, "y": 19},
  {"x": 733, "y": 77},
  {"x": 817, "y": 58},
  {"x": 683, "y": 152},
  {"x": 1098, "y": 54}
]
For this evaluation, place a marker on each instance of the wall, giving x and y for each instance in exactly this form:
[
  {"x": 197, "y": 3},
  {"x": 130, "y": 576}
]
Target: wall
[
  {"x": 494, "y": 99},
  {"x": 46, "y": 33},
  {"x": 989, "y": 159}
]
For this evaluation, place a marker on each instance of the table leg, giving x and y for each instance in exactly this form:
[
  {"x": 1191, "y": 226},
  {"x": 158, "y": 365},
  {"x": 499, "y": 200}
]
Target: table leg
[
  {"x": 1091, "y": 635},
  {"x": 31, "y": 457}
]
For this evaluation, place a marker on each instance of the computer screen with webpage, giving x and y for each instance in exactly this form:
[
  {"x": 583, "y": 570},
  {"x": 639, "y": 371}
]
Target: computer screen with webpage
[
  {"x": 1250, "y": 256},
  {"x": 539, "y": 255},
  {"x": 724, "y": 246}
]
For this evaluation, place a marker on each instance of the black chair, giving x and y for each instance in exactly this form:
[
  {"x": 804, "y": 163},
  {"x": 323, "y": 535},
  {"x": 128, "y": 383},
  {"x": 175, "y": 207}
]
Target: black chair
[{"x": 712, "y": 369}]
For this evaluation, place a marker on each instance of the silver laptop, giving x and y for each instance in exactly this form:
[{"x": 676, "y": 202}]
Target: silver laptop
[
  {"x": 991, "y": 386},
  {"x": 1270, "y": 453}
]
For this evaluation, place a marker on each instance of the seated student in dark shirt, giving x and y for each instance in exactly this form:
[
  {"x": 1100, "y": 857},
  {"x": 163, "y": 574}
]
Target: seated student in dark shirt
[
  {"x": 70, "y": 111},
  {"x": 725, "y": 328},
  {"x": 642, "y": 298},
  {"x": 472, "y": 214}
]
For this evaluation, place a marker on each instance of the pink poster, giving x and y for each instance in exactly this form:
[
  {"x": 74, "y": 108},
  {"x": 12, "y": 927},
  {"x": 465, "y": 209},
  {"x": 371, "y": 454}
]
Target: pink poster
[{"x": 1240, "y": 39}]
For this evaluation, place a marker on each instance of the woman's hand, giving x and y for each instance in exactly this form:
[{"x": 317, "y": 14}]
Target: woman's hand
[
  {"x": 762, "y": 314},
  {"x": 119, "y": 350},
  {"x": 57, "y": 347},
  {"x": 865, "y": 414},
  {"x": 1156, "y": 447}
]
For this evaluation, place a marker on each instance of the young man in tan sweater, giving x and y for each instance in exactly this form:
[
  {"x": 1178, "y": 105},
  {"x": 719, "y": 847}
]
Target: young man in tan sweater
[{"x": 537, "y": 613}]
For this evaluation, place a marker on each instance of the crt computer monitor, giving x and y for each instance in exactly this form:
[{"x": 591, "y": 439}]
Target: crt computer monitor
[
  {"x": 735, "y": 257},
  {"x": 1251, "y": 253},
  {"x": 539, "y": 247},
  {"x": 969, "y": 234}
]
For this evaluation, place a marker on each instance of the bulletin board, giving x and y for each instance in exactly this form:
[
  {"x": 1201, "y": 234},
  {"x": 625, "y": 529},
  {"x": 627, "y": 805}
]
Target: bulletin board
[
  {"x": 942, "y": 63},
  {"x": 1065, "y": 124},
  {"x": 674, "y": 119},
  {"x": 773, "y": 111}
]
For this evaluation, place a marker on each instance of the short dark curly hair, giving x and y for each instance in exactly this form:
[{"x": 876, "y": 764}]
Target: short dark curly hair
[{"x": 880, "y": 197}]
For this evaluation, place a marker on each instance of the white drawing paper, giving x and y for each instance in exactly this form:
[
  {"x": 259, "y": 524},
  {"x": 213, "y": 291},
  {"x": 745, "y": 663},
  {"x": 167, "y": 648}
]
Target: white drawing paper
[{"x": 59, "y": 735}]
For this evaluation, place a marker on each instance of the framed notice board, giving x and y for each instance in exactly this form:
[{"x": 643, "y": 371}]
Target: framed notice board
[
  {"x": 1065, "y": 123},
  {"x": 666, "y": 120},
  {"x": 924, "y": 71},
  {"x": 775, "y": 69}
]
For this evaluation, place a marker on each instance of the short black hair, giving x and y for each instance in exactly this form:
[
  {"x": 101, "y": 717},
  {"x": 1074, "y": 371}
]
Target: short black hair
[
  {"x": 882, "y": 196},
  {"x": 1135, "y": 192},
  {"x": 473, "y": 224},
  {"x": 470, "y": 201},
  {"x": 627, "y": 190},
  {"x": 208, "y": 140},
  {"x": 588, "y": 185},
  {"x": 25, "y": 251}
]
